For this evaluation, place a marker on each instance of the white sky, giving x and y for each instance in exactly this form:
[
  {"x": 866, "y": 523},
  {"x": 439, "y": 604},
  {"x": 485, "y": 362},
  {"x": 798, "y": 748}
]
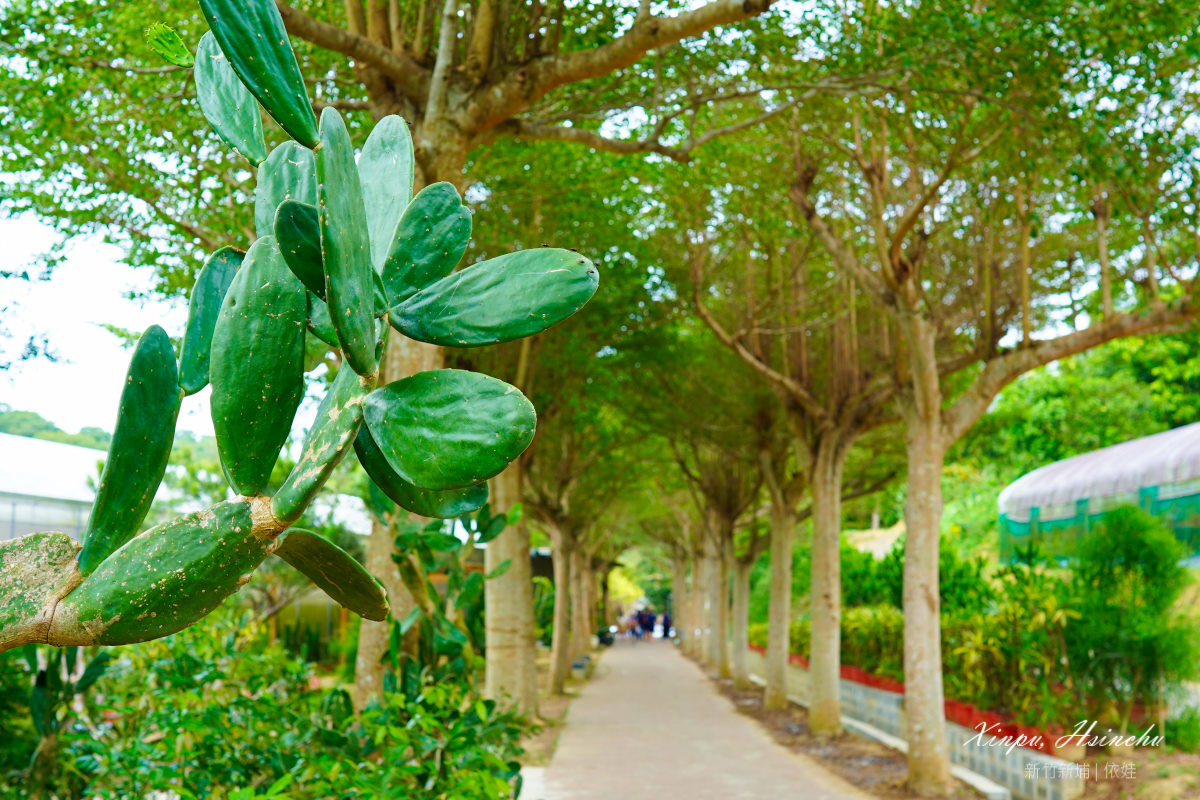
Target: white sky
[{"x": 91, "y": 287}]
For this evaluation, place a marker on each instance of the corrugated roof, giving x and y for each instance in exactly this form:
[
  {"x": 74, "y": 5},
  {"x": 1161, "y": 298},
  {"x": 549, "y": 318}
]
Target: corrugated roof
[
  {"x": 1169, "y": 457},
  {"x": 38, "y": 468}
]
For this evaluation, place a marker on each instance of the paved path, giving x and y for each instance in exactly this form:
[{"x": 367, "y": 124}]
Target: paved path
[{"x": 651, "y": 726}]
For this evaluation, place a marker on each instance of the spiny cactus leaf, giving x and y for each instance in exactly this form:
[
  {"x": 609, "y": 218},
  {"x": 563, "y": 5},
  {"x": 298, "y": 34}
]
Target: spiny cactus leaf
[
  {"x": 163, "y": 579},
  {"x": 328, "y": 441},
  {"x": 449, "y": 428},
  {"x": 298, "y": 231},
  {"x": 257, "y": 366},
  {"x": 425, "y": 502},
  {"x": 385, "y": 168},
  {"x": 252, "y": 35},
  {"x": 227, "y": 105},
  {"x": 138, "y": 453},
  {"x": 345, "y": 245},
  {"x": 203, "y": 308},
  {"x": 289, "y": 173},
  {"x": 166, "y": 42},
  {"x": 335, "y": 571},
  {"x": 430, "y": 241},
  {"x": 505, "y": 298},
  {"x": 319, "y": 322}
]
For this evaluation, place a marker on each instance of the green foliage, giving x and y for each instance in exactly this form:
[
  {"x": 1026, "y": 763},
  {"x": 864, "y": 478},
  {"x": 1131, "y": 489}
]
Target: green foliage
[
  {"x": 438, "y": 431},
  {"x": 33, "y": 425},
  {"x": 218, "y": 712},
  {"x": 1183, "y": 731},
  {"x": 1127, "y": 579},
  {"x": 1046, "y": 646}
]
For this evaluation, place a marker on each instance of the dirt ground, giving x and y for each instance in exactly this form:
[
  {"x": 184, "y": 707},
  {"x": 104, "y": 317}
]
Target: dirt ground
[
  {"x": 552, "y": 713},
  {"x": 1155, "y": 773},
  {"x": 868, "y": 765}
]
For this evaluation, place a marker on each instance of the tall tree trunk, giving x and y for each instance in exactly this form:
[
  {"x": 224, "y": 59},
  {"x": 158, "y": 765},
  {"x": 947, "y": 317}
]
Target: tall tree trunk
[
  {"x": 560, "y": 651},
  {"x": 508, "y": 604},
  {"x": 580, "y": 631},
  {"x": 679, "y": 595},
  {"x": 741, "y": 622},
  {"x": 824, "y": 673},
  {"x": 404, "y": 357},
  {"x": 695, "y": 617},
  {"x": 724, "y": 663},
  {"x": 779, "y": 614},
  {"x": 712, "y": 595},
  {"x": 928, "y": 759}
]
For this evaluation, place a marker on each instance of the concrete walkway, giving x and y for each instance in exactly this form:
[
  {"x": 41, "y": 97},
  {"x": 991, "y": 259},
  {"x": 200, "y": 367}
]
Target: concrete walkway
[{"x": 650, "y": 726}]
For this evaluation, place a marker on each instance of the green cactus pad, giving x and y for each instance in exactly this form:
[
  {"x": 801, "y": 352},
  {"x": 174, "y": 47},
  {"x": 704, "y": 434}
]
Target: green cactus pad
[
  {"x": 328, "y": 441},
  {"x": 203, "y": 308},
  {"x": 319, "y": 322},
  {"x": 335, "y": 571},
  {"x": 430, "y": 241},
  {"x": 138, "y": 453},
  {"x": 449, "y": 428},
  {"x": 166, "y": 42},
  {"x": 257, "y": 366},
  {"x": 252, "y": 35},
  {"x": 345, "y": 245},
  {"x": 506, "y": 298},
  {"x": 163, "y": 579},
  {"x": 425, "y": 502},
  {"x": 226, "y": 103},
  {"x": 298, "y": 231},
  {"x": 289, "y": 173},
  {"x": 385, "y": 168}
]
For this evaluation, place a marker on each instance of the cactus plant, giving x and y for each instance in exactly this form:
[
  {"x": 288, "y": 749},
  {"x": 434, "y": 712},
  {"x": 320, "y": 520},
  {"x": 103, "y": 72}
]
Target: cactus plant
[{"x": 343, "y": 249}]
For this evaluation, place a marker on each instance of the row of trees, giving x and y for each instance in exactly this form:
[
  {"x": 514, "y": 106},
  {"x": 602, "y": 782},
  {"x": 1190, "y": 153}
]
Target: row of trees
[{"x": 823, "y": 232}]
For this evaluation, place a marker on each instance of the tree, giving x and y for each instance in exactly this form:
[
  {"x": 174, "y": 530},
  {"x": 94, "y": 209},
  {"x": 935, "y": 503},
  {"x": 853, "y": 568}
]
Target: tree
[
  {"x": 462, "y": 74},
  {"x": 921, "y": 197}
]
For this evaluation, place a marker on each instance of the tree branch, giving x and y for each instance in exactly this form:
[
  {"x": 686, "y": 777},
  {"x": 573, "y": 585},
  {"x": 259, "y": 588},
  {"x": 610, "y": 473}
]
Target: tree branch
[
  {"x": 999, "y": 372},
  {"x": 776, "y": 378},
  {"x": 408, "y": 76},
  {"x": 525, "y": 85}
]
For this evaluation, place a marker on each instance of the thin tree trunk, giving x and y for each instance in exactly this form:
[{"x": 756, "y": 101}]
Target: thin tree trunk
[
  {"x": 779, "y": 614},
  {"x": 741, "y": 622},
  {"x": 694, "y": 634},
  {"x": 508, "y": 604},
  {"x": 679, "y": 595},
  {"x": 824, "y": 673},
  {"x": 560, "y": 651},
  {"x": 404, "y": 357},
  {"x": 724, "y": 664},
  {"x": 712, "y": 582},
  {"x": 928, "y": 759},
  {"x": 579, "y": 627}
]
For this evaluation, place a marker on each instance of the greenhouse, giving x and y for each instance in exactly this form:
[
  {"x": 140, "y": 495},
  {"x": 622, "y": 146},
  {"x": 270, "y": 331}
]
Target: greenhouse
[{"x": 1056, "y": 504}]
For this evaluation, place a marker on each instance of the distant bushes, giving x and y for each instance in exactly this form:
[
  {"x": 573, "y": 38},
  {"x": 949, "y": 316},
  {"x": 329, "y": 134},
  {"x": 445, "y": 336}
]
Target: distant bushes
[{"x": 1049, "y": 646}]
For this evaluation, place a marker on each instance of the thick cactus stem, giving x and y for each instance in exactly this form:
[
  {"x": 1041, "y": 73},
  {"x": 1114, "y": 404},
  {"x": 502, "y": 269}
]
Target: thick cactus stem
[{"x": 35, "y": 572}]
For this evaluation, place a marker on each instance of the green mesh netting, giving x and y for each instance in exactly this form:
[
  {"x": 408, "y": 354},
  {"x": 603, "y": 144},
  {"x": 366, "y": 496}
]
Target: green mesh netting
[{"x": 1059, "y": 537}]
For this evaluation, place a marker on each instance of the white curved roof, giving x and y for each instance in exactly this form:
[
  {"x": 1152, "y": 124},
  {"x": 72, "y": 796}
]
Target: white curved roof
[
  {"x": 40, "y": 468},
  {"x": 1169, "y": 457}
]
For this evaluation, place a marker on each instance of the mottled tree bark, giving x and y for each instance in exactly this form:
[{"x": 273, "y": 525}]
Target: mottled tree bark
[
  {"x": 928, "y": 760},
  {"x": 560, "y": 649},
  {"x": 741, "y": 622},
  {"x": 779, "y": 612},
  {"x": 508, "y": 604},
  {"x": 825, "y": 711}
]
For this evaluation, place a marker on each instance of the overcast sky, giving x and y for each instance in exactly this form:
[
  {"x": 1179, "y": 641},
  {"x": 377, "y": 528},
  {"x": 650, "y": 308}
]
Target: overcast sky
[{"x": 92, "y": 287}]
